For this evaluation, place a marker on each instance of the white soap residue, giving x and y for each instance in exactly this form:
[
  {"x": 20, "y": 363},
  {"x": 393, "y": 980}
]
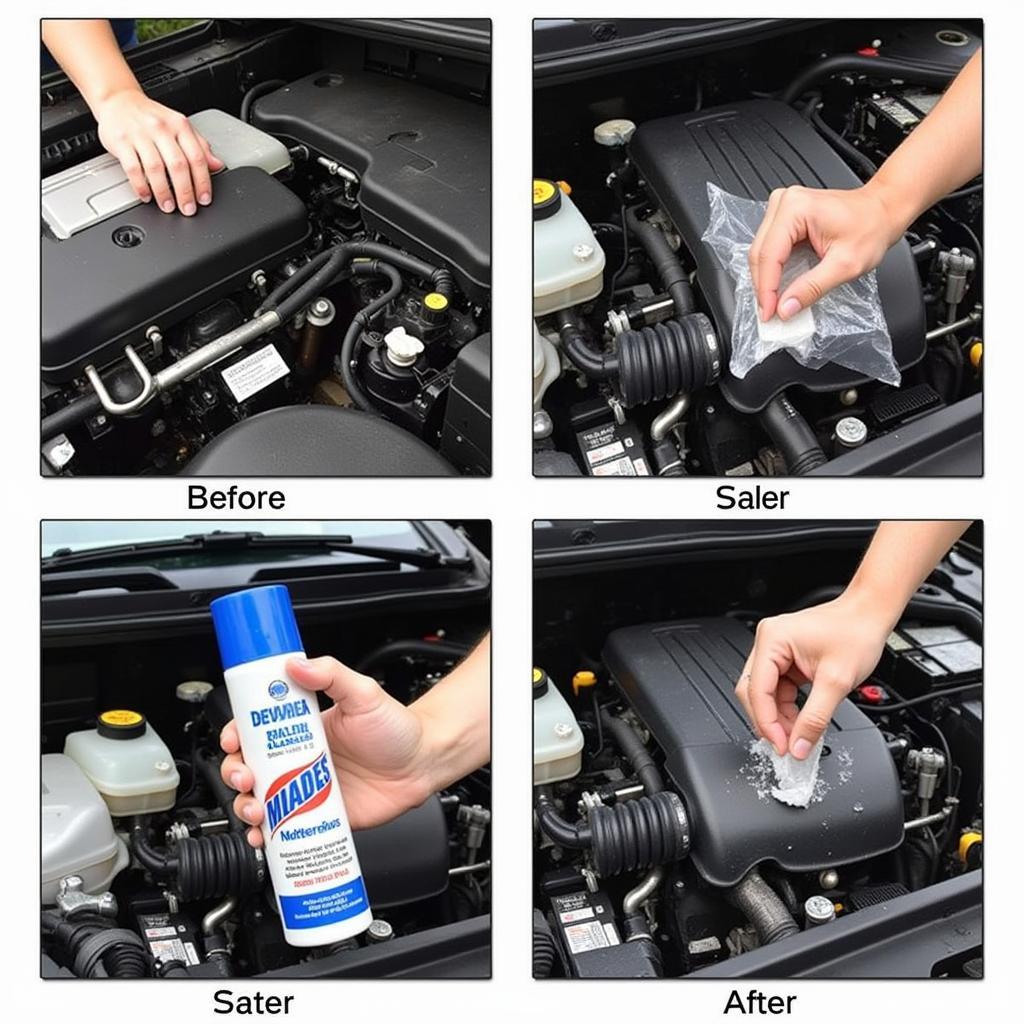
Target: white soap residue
[{"x": 795, "y": 782}]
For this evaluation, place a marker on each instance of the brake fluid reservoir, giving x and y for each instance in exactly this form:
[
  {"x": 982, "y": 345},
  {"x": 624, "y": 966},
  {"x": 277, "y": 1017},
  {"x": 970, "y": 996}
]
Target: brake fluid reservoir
[
  {"x": 568, "y": 262},
  {"x": 127, "y": 762},
  {"x": 557, "y": 737},
  {"x": 312, "y": 858}
]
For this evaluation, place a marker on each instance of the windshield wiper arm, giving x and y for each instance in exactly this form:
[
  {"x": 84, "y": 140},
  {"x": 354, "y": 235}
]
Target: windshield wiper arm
[{"x": 218, "y": 541}]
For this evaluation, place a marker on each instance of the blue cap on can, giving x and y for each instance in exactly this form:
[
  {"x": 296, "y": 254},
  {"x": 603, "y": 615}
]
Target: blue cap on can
[{"x": 254, "y": 624}]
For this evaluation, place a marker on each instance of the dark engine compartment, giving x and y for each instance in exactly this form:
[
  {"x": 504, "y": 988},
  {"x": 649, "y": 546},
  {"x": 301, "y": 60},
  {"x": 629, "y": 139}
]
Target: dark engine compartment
[
  {"x": 375, "y": 227},
  {"x": 427, "y": 872},
  {"x": 659, "y": 853},
  {"x": 641, "y": 364}
]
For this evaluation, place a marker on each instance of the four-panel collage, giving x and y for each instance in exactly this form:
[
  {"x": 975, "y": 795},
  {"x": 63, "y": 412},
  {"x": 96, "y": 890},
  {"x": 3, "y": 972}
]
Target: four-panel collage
[{"x": 265, "y": 743}]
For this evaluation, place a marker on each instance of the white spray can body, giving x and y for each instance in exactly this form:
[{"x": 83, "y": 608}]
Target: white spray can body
[{"x": 310, "y": 852}]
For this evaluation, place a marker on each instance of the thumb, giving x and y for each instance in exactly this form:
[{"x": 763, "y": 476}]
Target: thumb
[
  {"x": 815, "y": 716},
  {"x": 809, "y": 287},
  {"x": 352, "y": 692}
]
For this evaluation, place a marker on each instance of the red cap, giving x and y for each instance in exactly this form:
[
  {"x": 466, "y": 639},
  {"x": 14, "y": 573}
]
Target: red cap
[
  {"x": 871, "y": 694},
  {"x": 868, "y": 51}
]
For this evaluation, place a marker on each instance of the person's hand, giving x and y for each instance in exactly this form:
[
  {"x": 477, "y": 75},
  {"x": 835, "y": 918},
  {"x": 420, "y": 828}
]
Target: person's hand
[
  {"x": 165, "y": 158},
  {"x": 849, "y": 230},
  {"x": 833, "y": 646},
  {"x": 377, "y": 745}
]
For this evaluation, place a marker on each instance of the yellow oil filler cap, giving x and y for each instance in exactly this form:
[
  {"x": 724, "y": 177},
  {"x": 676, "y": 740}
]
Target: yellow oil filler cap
[
  {"x": 547, "y": 198},
  {"x": 583, "y": 680},
  {"x": 970, "y": 841},
  {"x": 977, "y": 351},
  {"x": 121, "y": 724}
]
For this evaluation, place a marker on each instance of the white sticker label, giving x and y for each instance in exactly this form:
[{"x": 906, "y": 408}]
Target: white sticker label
[
  {"x": 174, "y": 949},
  {"x": 582, "y": 937},
  {"x": 928, "y": 635},
  {"x": 606, "y": 451},
  {"x": 576, "y": 915},
  {"x": 620, "y": 467},
  {"x": 962, "y": 657},
  {"x": 255, "y": 372}
]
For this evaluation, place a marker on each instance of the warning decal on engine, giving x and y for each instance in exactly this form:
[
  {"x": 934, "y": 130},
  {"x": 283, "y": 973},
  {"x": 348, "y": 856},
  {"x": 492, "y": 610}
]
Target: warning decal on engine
[
  {"x": 582, "y": 937},
  {"x": 255, "y": 372}
]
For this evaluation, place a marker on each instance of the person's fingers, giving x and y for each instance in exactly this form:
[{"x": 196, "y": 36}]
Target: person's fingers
[
  {"x": 743, "y": 692},
  {"x": 755, "y": 247},
  {"x": 229, "y": 741},
  {"x": 827, "y": 691},
  {"x": 776, "y": 247},
  {"x": 764, "y": 682},
  {"x": 129, "y": 160},
  {"x": 153, "y": 165},
  {"x": 196, "y": 156},
  {"x": 836, "y": 268},
  {"x": 248, "y": 808},
  {"x": 785, "y": 701},
  {"x": 179, "y": 171},
  {"x": 254, "y": 837},
  {"x": 213, "y": 161},
  {"x": 234, "y": 771},
  {"x": 353, "y": 693}
]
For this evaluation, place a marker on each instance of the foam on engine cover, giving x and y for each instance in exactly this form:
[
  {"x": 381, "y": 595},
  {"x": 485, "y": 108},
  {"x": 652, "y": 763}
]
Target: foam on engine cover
[{"x": 680, "y": 679}]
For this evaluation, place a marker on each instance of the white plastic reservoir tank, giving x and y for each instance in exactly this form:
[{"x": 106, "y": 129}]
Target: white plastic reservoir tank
[
  {"x": 557, "y": 737},
  {"x": 568, "y": 262},
  {"x": 127, "y": 762},
  {"x": 78, "y": 836}
]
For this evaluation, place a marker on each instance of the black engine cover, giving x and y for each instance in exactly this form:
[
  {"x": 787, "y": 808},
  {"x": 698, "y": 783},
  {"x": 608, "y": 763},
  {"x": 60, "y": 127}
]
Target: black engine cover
[
  {"x": 679, "y": 677},
  {"x": 99, "y": 295},
  {"x": 423, "y": 157},
  {"x": 749, "y": 149}
]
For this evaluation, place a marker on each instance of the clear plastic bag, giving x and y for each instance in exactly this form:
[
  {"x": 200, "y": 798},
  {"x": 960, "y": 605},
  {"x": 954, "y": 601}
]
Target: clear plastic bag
[{"x": 846, "y": 326}]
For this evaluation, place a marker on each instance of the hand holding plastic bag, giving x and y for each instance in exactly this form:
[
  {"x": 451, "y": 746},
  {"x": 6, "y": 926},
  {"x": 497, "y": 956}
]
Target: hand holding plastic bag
[{"x": 846, "y": 326}]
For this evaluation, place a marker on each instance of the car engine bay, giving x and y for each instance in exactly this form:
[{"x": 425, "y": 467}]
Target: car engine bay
[
  {"x": 633, "y": 311},
  {"x": 146, "y": 871},
  {"x": 660, "y": 847},
  {"x": 329, "y": 313}
]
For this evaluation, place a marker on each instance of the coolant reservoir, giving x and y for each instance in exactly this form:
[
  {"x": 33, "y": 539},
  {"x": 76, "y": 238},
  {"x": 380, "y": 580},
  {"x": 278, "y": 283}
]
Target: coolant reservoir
[
  {"x": 127, "y": 762},
  {"x": 557, "y": 737},
  {"x": 77, "y": 835},
  {"x": 547, "y": 366},
  {"x": 568, "y": 263}
]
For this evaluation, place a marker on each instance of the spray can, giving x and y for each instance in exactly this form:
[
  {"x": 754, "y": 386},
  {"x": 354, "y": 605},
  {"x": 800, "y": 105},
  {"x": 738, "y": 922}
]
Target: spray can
[{"x": 310, "y": 852}]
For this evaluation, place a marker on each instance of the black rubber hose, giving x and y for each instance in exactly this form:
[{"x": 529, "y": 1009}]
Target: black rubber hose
[
  {"x": 792, "y": 436},
  {"x": 635, "y": 752},
  {"x": 557, "y": 829},
  {"x": 110, "y": 952},
  {"x": 439, "y": 650},
  {"x": 253, "y": 94},
  {"x": 171, "y": 969},
  {"x": 596, "y": 365},
  {"x": 218, "y": 865},
  {"x": 350, "y": 343},
  {"x": 666, "y": 263},
  {"x": 74, "y": 413},
  {"x": 848, "y": 149},
  {"x": 763, "y": 908},
  {"x": 159, "y": 865},
  {"x": 544, "y": 950},
  {"x": 638, "y": 834},
  {"x": 208, "y": 766},
  {"x": 876, "y": 67},
  {"x": 667, "y": 359}
]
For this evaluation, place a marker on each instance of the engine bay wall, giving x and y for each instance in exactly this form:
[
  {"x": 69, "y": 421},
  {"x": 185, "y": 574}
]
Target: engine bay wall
[{"x": 679, "y": 677}]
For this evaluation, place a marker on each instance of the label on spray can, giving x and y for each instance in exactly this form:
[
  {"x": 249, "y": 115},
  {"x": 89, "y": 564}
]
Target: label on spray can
[{"x": 310, "y": 852}]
